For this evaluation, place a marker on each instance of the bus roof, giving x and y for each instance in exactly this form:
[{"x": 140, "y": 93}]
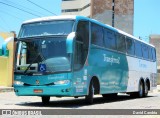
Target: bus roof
[
  {"x": 76, "y": 17},
  {"x": 49, "y": 18}
]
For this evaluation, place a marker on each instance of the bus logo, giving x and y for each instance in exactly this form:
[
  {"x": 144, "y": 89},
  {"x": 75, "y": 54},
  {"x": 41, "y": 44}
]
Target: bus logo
[{"x": 37, "y": 82}]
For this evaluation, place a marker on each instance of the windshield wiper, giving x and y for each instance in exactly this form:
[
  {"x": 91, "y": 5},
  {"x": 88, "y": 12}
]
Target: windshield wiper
[{"x": 31, "y": 63}]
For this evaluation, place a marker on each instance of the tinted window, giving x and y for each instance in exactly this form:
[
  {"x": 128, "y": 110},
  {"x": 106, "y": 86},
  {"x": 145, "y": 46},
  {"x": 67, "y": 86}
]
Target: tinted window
[
  {"x": 150, "y": 53},
  {"x": 121, "y": 44},
  {"x": 145, "y": 51},
  {"x": 130, "y": 46},
  {"x": 138, "y": 49},
  {"x": 81, "y": 45},
  {"x": 154, "y": 54},
  {"x": 83, "y": 32},
  {"x": 97, "y": 34},
  {"x": 109, "y": 39}
]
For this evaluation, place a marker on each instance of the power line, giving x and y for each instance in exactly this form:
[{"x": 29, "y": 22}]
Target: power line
[
  {"x": 41, "y": 7},
  {"x": 19, "y": 9},
  {"x": 5, "y": 23},
  {"x": 24, "y": 7},
  {"x": 6, "y": 13}
]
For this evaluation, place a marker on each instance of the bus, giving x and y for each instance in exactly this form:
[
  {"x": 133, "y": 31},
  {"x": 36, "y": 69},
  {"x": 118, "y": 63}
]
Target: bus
[{"x": 75, "y": 56}]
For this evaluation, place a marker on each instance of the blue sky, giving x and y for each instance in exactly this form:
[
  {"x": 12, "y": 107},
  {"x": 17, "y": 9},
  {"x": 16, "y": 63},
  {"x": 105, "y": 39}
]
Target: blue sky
[{"x": 146, "y": 15}]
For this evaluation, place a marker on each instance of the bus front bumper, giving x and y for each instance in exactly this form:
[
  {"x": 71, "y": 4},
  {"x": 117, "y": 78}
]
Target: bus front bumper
[{"x": 56, "y": 90}]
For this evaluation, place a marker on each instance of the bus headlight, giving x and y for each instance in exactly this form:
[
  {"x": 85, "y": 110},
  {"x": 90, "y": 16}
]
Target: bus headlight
[
  {"x": 62, "y": 82},
  {"x": 18, "y": 83}
]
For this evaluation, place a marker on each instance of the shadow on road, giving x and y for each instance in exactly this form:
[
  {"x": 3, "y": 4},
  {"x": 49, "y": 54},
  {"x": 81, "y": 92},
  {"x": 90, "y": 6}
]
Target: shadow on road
[{"x": 77, "y": 103}]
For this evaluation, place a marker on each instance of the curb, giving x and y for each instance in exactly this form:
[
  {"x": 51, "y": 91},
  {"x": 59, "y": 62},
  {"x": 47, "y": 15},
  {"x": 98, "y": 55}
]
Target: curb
[{"x": 6, "y": 89}]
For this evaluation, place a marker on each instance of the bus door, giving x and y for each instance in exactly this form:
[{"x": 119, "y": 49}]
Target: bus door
[{"x": 80, "y": 56}]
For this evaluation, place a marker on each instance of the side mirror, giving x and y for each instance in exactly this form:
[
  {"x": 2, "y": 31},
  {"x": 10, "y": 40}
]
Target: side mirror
[{"x": 69, "y": 42}]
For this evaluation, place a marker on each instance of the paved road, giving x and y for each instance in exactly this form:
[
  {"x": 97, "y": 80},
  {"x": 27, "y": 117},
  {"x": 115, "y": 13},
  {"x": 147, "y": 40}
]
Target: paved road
[{"x": 8, "y": 100}]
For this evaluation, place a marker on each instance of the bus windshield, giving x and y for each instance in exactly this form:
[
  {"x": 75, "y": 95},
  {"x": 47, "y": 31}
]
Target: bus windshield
[
  {"x": 49, "y": 51},
  {"x": 45, "y": 28}
]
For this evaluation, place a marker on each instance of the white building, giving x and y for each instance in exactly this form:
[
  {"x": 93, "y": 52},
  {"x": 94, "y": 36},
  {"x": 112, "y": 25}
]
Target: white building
[
  {"x": 76, "y": 7},
  {"x": 102, "y": 10}
]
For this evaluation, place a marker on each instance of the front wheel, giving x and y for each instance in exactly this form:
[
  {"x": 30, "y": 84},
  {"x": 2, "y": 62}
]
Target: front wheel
[
  {"x": 45, "y": 99},
  {"x": 89, "y": 97}
]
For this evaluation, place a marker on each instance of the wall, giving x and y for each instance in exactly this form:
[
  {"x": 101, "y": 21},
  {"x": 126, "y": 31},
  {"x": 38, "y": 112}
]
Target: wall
[
  {"x": 155, "y": 40},
  {"x": 6, "y": 63},
  {"x": 124, "y": 13},
  {"x": 76, "y": 4}
]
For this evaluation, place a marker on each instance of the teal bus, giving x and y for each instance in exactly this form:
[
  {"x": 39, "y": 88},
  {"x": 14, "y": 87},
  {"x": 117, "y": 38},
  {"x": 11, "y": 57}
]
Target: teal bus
[{"x": 74, "y": 56}]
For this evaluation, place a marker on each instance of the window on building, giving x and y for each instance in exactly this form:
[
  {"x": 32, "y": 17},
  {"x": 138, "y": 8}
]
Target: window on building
[
  {"x": 109, "y": 39},
  {"x": 97, "y": 35}
]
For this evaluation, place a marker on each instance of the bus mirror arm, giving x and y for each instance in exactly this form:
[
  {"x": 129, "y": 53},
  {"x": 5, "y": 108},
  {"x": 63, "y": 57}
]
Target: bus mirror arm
[
  {"x": 15, "y": 39},
  {"x": 69, "y": 42}
]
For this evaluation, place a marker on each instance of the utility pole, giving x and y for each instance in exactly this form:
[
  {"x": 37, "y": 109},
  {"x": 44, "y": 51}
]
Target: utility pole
[{"x": 113, "y": 5}]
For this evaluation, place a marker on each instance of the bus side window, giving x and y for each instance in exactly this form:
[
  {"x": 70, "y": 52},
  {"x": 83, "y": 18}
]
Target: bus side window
[
  {"x": 110, "y": 39},
  {"x": 130, "y": 46},
  {"x": 121, "y": 44},
  {"x": 81, "y": 45},
  {"x": 97, "y": 35},
  {"x": 154, "y": 54},
  {"x": 145, "y": 51},
  {"x": 138, "y": 49},
  {"x": 150, "y": 53}
]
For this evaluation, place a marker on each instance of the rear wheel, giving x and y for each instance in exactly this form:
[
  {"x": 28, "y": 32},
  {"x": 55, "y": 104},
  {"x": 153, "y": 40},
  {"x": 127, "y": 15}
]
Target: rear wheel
[
  {"x": 89, "y": 97},
  {"x": 45, "y": 99},
  {"x": 146, "y": 89},
  {"x": 140, "y": 93}
]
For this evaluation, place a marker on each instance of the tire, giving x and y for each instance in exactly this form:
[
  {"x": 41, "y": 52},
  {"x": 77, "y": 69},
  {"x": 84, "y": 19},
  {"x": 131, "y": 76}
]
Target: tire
[
  {"x": 140, "y": 93},
  {"x": 89, "y": 97},
  {"x": 146, "y": 90},
  {"x": 45, "y": 100}
]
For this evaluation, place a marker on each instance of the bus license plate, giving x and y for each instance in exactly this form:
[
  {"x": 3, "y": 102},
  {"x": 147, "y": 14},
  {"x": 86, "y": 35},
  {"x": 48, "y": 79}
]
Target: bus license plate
[{"x": 38, "y": 91}]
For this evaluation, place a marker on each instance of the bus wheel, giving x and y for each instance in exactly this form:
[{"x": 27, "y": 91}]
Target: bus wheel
[
  {"x": 89, "y": 97},
  {"x": 45, "y": 99},
  {"x": 140, "y": 93},
  {"x": 146, "y": 89}
]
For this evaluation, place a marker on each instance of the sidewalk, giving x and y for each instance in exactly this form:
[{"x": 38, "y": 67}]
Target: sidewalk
[
  {"x": 158, "y": 89},
  {"x": 6, "y": 89}
]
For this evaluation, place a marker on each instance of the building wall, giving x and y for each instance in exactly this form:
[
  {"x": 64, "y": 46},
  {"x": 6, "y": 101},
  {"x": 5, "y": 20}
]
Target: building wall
[
  {"x": 155, "y": 40},
  {"x": 102, "y": 10},
  {"x": 124, "y": 13},
  {"x": 6, "y": 61},
  {"x": 76, "y": 7}
]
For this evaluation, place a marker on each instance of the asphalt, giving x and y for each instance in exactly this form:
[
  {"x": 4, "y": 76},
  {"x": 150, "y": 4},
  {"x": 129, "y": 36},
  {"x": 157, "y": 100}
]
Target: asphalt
[{"x": 11, "y": 89}]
